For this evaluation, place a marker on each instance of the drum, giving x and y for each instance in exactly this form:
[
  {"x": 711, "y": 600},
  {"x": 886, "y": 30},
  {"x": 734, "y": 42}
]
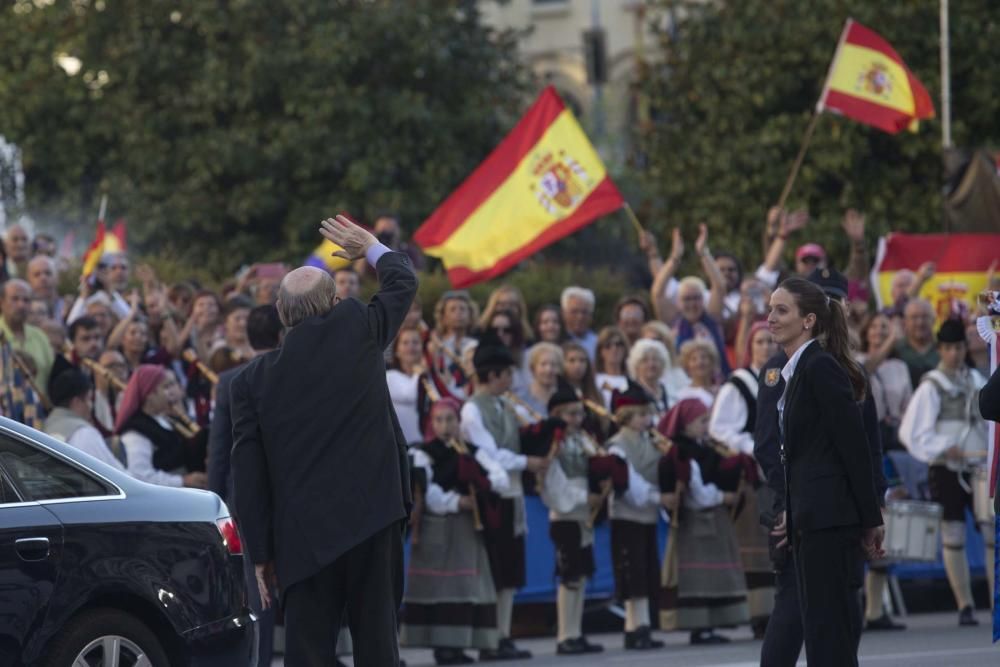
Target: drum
[
  {"x": 982, "y": 504},
  {"x": 912, "y": 530}
]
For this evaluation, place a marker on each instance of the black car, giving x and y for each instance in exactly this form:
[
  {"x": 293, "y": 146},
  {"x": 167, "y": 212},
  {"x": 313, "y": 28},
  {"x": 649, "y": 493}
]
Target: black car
[{"x": 97, "y": 568}]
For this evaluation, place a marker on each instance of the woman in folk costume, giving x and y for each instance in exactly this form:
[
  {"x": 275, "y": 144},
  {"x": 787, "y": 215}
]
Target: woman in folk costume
[
  {"x": 454, "y": 316},
  {"x": 634, "y": 514},
  {"x": 732, "y": 424},
  {"x": 154, "y": 451},
  {"x": 711, "y": 588},
  {"x": 450, "y": 601},
  {"x": 571, "y": 492},
  {"x": 942, "y": 427}
]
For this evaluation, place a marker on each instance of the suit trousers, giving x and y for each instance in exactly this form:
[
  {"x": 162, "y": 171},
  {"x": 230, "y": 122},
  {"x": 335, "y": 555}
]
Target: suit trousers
[
  {"x": 829, "y": 568},
  {"x": 783, "y": 639},
  {"x": 366, "y": 583}
]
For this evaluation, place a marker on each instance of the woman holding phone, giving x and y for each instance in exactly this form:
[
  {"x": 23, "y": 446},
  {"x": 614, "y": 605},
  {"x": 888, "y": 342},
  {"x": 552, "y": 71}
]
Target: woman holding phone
[{"x": 832, "y": 520}]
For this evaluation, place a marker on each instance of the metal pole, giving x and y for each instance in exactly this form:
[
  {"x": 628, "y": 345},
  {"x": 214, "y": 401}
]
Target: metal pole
[
  {"x": 595, "y": 20},
  {"x": 945, "y": 79}
]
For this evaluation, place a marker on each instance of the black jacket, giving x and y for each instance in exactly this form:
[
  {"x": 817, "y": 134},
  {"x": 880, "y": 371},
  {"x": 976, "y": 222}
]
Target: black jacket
[
  {"x": 319, "y": 462},
  {"x": 989, "y": 398},
  {"x": 767, "y": 437},
  {"x": 829, "y": 480},
  {"x": 220, "y": 438}
]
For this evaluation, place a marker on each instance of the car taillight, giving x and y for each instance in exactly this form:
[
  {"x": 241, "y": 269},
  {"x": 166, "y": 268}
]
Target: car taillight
[{"x": 230, "y": 536}]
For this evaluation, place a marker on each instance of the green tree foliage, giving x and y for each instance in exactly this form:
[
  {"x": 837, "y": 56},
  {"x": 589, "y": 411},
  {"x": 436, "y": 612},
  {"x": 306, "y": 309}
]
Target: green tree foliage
[
  {"x": 735, "y": 90},
  {"x": 224, "y": 131}
]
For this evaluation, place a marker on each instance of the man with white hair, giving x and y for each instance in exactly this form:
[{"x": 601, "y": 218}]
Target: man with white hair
[
  {"x": 319, "y": 463},
  {"x": 18, "y": 248},
  {"x": 42, "y": 277},
  {"x": 577, "y": 305}
]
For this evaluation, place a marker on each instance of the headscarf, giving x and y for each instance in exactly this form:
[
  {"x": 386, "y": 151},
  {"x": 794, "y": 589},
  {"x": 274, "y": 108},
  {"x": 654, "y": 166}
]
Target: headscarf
[
  {"x": 446, "y": 403},
  {"x": 679, "y": 416},
  {"x": 144, "y": 381},
  {"x": 757, "y": 326}
]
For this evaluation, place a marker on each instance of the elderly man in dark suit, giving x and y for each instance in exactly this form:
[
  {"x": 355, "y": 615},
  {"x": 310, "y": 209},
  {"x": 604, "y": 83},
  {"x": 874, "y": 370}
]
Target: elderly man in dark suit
[{"x": 319, "y": 462}]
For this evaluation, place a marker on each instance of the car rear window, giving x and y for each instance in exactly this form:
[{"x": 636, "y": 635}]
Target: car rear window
[{"x": 41, "y": 476}]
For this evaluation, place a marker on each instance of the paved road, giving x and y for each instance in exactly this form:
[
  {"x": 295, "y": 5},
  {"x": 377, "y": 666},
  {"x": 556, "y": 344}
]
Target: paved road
[{"x": 932, "y": 640}]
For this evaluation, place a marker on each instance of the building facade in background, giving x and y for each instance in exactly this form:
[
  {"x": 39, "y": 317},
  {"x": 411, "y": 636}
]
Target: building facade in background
[{"x": 560, "y": 47}]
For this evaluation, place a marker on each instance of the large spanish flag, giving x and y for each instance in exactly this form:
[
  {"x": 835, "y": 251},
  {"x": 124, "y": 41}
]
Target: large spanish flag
[
  {"x": 870, "y": 83},
  {"x": 962, "y": 262},
  {"x": 543, "y": 182}
]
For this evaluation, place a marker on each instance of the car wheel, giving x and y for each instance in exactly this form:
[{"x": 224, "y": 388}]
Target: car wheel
[{"x": 106, "y": 637}]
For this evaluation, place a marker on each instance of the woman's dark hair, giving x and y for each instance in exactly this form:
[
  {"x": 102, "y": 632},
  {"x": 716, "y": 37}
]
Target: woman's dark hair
[
  {"x": 865, "y": 326},
  {"x": 830, "y": 329},
  {"x": 394, "y": 363},
  {"x": 516, "y": 332},
  {"x": 736, "y": 260},
  {"x": 549, "y": 307},
  {"x": 587, "y": 384}
]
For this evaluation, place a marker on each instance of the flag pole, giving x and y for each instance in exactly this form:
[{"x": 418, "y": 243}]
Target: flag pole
[
  {"x": 806, "y": 140},
  {"x": 820, "y": 105},
  {"x": 633, "y": 219},
  {"x": 945, "y": 78},
  {"x": 103, "y": 208}
]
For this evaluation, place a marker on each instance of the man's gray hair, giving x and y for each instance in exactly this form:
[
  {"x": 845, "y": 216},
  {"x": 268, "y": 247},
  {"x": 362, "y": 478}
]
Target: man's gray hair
[
  {"x": 296, "y": 305},
  {"x": 576, "y": 292}
]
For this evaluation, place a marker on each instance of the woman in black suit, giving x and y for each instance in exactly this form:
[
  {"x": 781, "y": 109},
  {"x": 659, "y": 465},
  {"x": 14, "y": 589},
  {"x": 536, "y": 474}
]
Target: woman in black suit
[{"x": 832, "y": 521}]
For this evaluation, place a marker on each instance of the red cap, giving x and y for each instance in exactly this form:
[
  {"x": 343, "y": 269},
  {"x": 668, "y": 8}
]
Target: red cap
[{"x": 810, "y": 250}]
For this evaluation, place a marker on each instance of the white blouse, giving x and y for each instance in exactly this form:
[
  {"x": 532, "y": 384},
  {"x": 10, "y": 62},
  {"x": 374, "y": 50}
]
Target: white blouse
[{"x": 403, "y": 389}]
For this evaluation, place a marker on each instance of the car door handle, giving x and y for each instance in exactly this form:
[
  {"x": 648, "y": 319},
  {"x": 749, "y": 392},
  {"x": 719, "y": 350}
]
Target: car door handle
[{"x": 32, "y": 548}]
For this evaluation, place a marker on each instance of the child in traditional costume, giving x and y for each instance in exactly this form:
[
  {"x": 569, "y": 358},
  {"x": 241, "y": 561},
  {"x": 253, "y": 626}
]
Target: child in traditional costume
[
  {"x": 450, "y": 601},
  {"x": 570, "y": 491},
  {"x": 634, "y": 514},
  {"x": 700, "y": 485}
]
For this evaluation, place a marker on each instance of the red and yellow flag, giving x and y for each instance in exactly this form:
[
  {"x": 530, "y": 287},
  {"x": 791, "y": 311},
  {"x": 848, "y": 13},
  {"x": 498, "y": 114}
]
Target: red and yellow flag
[
  {"x": 104, "y": 242},
  {"x": 962, "y": 262},
  {"x": 870, "y": 83},
  {"x": 543, "y": 182}
]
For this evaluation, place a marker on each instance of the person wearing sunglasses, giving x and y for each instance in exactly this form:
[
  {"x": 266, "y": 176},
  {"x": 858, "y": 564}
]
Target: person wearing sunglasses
[{"x": 612, "y": 374}]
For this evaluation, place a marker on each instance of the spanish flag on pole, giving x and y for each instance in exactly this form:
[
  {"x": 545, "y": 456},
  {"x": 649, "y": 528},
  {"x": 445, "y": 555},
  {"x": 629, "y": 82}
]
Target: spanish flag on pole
[
  {"x": 104, "y": 242},
  {"x": 543, "y": 182},
  {"x": 870, "y": 83}
]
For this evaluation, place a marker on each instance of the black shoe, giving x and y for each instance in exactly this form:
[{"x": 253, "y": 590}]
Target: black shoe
[
  {"x": 519, "y": 654},
  {"x": 506, "y": 650},
  {"x": 577, "y": 646},
  {"x": 884, "y": 622},
  {"x": 701, "y": 637},
  {"x": 967, "y": 616},
  {"x": 452, "y": 656},
  {"x": 570, "y": 647},
  {"x": 640, "y": 640}
]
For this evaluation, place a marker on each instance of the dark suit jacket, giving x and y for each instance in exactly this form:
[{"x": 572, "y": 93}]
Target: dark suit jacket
[
  {"x": 989, "y": 398},
  {"x": 829, "y": 480},
  {"x": 767, "y": 438},
  {"x": 319, "y": 461},
  {"x": 220, "y": 438}
]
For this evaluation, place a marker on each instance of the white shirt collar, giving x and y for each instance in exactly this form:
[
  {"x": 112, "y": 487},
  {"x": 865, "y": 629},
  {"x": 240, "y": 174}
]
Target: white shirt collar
[{"x": 789, "y": 369}]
